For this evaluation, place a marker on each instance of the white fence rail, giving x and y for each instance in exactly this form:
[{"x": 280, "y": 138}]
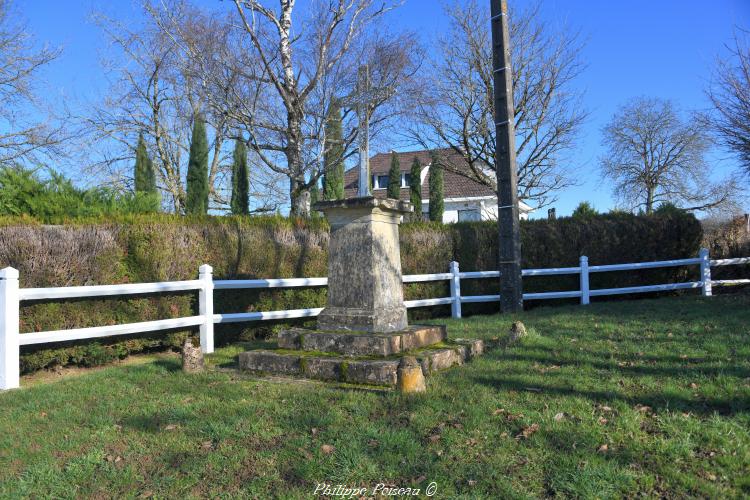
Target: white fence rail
[{"x": 11, "y": 296}]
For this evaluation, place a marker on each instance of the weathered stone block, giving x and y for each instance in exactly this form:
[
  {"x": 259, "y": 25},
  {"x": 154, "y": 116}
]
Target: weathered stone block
[
  {"x": 361, "y": 344},
  {"x": 418, "y": 336},
  {"x": 322, "y": 368},
  {"x": 440, "y": 359},
  {"x": 475, "y": 347},
  {"x": 270, "y": 362},
  {"x": 371, "y": 372},
  {"x": 364, "y": 266},
  {"x": 357, "y": 344},
  {"x": 410, "y": 376},
  {"x": 192, "y": 358},
  {"x": 290, "y": 339}
]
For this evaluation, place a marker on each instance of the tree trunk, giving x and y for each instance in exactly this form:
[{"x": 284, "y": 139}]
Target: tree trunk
[
  {"x": 649, "y": 201},
  {"x": 300, "y": 198},
  {"x": 299, "y": 193}
]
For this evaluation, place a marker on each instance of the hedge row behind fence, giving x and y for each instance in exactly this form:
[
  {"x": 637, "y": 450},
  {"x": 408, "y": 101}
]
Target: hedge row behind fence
[{"x": 166, "y": 248}]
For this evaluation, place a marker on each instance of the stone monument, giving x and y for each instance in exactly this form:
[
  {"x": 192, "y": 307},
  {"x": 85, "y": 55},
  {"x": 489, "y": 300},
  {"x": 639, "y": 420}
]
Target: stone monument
[
  {"x": 364, "y": 265},
  {"x": 362, "y": 334}
]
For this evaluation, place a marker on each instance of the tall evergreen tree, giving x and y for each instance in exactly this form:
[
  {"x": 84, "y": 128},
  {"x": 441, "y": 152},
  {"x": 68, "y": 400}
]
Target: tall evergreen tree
[
  {"x": 314, "y": 194},
  {"x": 145, "y": 178},
  {"x": 436, "y": 190},
  {"x": 197, "y": 173},
  {"x": 394, "y": 177},
  {"x": 240, "y": 200},
  {"x": 333, "y": 178},
  {"x": 415, "y": 189}
]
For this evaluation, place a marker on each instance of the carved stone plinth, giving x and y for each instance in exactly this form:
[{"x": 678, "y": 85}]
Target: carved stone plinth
[{"x": 364, "y": 265}]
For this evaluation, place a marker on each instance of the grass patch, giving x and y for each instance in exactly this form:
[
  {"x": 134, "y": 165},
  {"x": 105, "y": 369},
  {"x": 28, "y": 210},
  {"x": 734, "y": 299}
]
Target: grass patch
[{"x": 631, "y": 398}]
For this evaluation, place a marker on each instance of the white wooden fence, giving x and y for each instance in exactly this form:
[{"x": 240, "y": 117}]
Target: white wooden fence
[{"x": 11, "y": 296}]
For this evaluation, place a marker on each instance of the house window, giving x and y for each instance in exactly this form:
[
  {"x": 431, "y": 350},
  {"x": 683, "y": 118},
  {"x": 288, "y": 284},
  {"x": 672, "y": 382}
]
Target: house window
[
  {"x": 405, "y": 180},
  {"x": 379, "y": 181},
  {"x": 468, "y": 215}
]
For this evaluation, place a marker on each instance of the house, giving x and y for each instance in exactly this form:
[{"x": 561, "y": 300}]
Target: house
[{"x": 464, "y": 199}]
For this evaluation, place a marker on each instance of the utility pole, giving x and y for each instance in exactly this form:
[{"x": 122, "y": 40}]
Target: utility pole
[{"x": 509, "y": 230}]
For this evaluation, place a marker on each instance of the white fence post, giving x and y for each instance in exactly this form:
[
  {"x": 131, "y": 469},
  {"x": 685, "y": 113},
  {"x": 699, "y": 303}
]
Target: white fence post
[
  {"x": 585, "y": 295},
  {"x": 9, "y": 341},
  {"x": 455, "y": 290},
  {"x": 206, "y": 307},
  {"x": 705, "y": 271}
]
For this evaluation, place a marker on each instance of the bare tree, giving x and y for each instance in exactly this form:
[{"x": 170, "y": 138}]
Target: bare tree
[
  {"x": 147, "y": 95},
  {"x": 305, "y": 61},
  {"x": 158, "y": 90},
  {"x": 730, "y": 95},
  {"x": 655, "y": 157},
  {"x": 458, "y": 112},
  {"x": 23, "y": 138}
]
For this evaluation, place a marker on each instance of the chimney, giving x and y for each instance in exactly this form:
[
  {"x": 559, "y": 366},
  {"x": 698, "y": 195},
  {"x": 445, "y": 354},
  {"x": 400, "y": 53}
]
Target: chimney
[{"x": 551, "y": 214}]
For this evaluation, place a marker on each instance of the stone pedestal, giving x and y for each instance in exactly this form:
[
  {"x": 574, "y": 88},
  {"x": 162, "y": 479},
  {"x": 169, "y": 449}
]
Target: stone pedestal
[
  {"x": 363, "y": 332},
  {"x": 364, "y": 265}
]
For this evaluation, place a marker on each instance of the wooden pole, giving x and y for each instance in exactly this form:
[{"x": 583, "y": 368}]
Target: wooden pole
[{"x": 511, "y": 295}]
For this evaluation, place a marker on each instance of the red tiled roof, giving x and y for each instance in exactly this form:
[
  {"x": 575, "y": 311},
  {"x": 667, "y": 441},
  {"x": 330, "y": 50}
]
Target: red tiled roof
[{"x": 455, "y": 185}]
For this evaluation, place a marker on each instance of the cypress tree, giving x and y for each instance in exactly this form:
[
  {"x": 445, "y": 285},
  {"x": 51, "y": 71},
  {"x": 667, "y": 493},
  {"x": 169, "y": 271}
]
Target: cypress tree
[
  {"x": 394, "y": 178},
  {"x": 415, "y": 190},
  {"x": 145, "y": 178},
  {"x": 239, "y": 203},
  {"x": 314, "y": 194},
  {"x": 436, "y": 190},
  {"x": 197, "y": 173},
  {"x": 333, "y": 156}
]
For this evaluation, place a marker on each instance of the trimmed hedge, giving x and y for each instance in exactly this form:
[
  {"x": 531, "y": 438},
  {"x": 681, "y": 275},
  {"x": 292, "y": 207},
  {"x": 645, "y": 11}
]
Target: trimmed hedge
[{"x": 164, "y": 248}]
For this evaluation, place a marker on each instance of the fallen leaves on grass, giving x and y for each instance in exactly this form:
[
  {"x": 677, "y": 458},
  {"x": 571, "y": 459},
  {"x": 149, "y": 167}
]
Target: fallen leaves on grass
[
  {"x": 527, "y": 431},
  {"x": 643, "y": 409},
  {"x": 327, "y": 449}
]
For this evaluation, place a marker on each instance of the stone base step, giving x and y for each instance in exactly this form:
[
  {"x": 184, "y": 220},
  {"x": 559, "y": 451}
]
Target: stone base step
[
  {"x": 362, "y": 344},
  {"x": 328, "y": 366}
]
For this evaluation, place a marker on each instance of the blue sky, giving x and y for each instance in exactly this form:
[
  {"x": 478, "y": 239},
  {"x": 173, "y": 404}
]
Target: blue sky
[{"x": 659, "y": 48}]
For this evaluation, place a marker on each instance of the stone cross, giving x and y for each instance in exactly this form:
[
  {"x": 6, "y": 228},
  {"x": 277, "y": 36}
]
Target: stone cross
[{"x": 363, "y": 98}]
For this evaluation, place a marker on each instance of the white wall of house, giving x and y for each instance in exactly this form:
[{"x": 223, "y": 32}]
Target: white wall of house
[{"x": 470, "y": 209}]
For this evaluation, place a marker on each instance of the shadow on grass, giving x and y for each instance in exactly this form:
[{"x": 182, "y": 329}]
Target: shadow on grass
[
  {"x": 170, "y": 365},
  {"x": 646, "y": 365},
  {"x": 657, "y": 400}
]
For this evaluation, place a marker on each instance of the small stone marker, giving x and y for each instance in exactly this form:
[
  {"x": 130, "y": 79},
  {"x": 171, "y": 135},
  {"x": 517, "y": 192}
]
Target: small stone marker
[
  {"x": 192, "y": 358},
  {"x": 517, "y": 331},
  {"x": 410, "y": 376}
]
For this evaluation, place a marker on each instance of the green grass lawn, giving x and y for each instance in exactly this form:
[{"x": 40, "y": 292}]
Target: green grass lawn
[{"x": 647, "y": 397}]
